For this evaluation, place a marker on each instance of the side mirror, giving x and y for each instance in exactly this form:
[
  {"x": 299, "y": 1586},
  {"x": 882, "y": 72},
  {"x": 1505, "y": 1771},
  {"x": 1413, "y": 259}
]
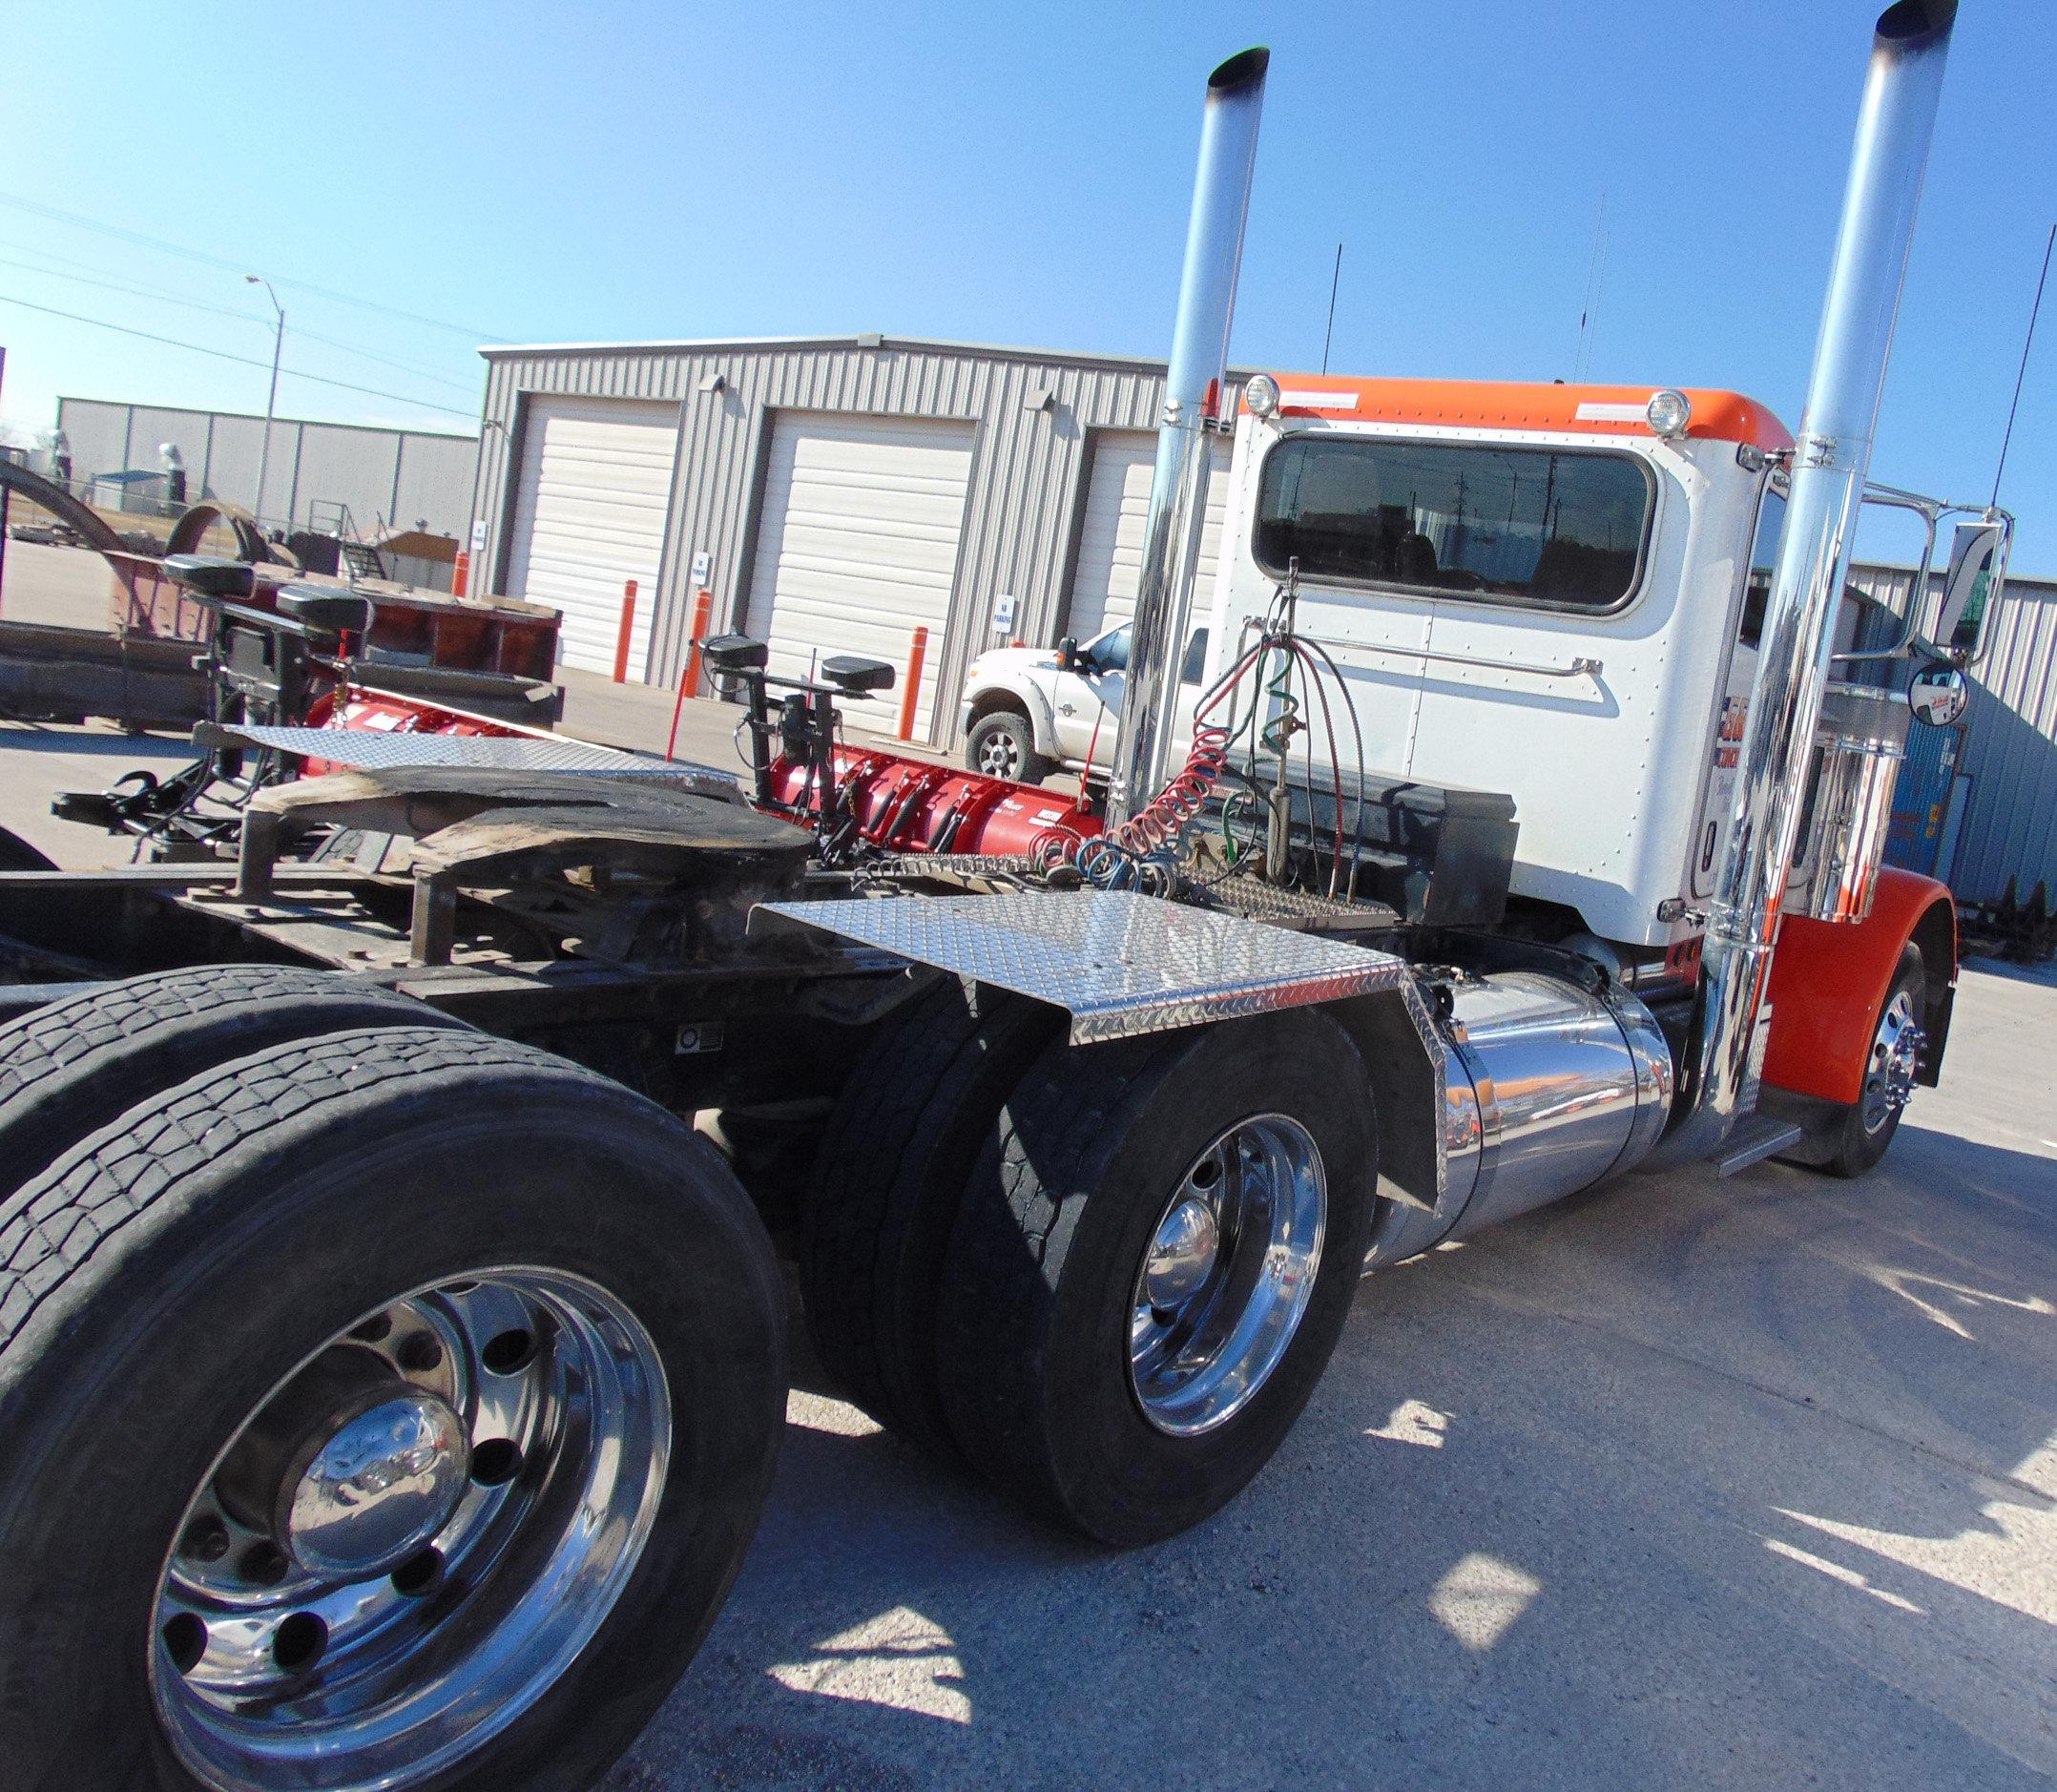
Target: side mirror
[
  {"x": 1937, "y": 695},
  {"x": 1978, "y": 570},
  {"x": 1067, "y": 653}
]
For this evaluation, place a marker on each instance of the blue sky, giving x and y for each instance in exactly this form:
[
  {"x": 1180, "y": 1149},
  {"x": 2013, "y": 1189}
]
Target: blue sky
[{"x": 1010, "y": 174}]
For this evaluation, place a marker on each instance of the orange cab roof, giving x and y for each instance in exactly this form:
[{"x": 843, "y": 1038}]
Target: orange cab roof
[{"x": 1495, "y": 405}]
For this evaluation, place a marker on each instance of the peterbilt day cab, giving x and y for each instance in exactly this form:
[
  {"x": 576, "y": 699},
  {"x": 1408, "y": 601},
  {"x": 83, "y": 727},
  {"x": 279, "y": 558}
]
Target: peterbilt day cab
[{"x": 391, "y": 1312}]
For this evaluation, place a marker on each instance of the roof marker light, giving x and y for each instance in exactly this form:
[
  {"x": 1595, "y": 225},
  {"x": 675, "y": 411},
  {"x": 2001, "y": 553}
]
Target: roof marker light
[
  {"x": 1669, "y": 412},
  {"x": 1261, "y": 395}
]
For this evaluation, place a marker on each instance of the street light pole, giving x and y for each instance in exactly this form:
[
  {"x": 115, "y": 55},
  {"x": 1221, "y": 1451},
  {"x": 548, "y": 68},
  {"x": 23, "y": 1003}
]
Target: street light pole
[{"x": 271, "y": 400}]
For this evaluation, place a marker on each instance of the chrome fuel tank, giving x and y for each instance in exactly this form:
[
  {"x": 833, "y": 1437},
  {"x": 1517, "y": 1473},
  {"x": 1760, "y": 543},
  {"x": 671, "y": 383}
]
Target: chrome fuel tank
[{"x": 1567, "y": 1087}]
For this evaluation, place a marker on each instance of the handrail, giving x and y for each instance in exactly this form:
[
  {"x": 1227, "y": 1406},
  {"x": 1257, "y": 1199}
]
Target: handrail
[{"x": 1579, "y": 668}]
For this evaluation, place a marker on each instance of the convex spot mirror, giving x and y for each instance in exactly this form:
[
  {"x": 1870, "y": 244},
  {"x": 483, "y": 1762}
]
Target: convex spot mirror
[
  {"x": 1978, "y": 567},
  {"x": 1937, "y": 695}
]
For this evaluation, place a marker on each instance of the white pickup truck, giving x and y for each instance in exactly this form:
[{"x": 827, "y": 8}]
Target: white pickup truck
[{"x": 1031, "y": 711}]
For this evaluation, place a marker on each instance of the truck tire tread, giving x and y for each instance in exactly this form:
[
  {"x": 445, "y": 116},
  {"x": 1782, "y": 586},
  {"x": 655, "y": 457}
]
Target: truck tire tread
[
  {"x": 883, "y": 1197},
  {"x": 70, "y": 1067}
]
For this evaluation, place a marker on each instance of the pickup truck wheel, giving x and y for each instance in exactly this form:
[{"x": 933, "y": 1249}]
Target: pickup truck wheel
[
  {"x": 884, "y": 1195},
  {"x": 393, "y": 1409},
  {"x": 1002, "y": 745},
  {"x": 72, "y": 1066},
  {"x": 1870, "y": 1121},
  {"x": 1153, "y": 1263}
]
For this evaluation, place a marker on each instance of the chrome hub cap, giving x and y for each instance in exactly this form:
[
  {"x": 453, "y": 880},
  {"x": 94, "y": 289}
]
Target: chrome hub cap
[
  {"x": 1895, "y": 1052},
  {"x": 412, "y": 1537},
  {"x": 1181, "y": 1254},
  {"x": 1226, "y": 1275},
  {"x": 997, "y": 756},
  {"x": 382, "y": 1486}
]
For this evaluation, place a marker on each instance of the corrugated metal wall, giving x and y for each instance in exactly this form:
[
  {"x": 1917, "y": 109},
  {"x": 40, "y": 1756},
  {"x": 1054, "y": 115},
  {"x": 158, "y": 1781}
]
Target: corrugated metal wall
[
  {"x": 403, "y": 476},
  {"x": 2009, "y": 826},
  {"x": 1032, "y": 414}
]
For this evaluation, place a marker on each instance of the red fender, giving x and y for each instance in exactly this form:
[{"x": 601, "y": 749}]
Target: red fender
[{"x": 1829, "y": 980}]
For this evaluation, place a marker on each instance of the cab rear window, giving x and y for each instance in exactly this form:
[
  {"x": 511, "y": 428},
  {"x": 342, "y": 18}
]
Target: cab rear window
[{"x": 1563, "y": 527}]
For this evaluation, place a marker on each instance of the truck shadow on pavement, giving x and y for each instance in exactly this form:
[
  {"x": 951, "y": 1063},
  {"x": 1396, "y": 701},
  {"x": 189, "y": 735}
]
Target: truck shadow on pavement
[{"x": 1746, "y": 1482}]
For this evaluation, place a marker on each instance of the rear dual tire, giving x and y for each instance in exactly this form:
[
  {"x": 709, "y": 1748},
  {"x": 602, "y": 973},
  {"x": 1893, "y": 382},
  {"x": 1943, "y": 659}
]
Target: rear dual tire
[
  {"x": 73, "y": 1065},
  {"x": 170, "y": 1274},
  {"x": 985, "y": 1213}
]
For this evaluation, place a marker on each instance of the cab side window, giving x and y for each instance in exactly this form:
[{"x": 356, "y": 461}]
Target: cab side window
[
  {"x": 1195, "y": 662},
  {"x": 1763, "y": 553}
]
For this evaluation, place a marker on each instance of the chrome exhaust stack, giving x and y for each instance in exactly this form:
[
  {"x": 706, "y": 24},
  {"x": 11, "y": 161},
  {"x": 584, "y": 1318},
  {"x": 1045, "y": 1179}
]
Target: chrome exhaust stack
[
  {"x": 1894, "y": 127},
  {"x": 1193, "y": 391}
]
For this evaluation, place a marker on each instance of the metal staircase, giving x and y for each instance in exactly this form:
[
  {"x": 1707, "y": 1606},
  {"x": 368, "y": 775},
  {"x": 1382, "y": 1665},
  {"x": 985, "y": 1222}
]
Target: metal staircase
[{"x": 359, "y": 558}]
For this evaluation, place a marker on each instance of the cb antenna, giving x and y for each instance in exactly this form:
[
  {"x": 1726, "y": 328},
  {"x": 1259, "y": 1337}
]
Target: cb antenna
[
  {"x": 2021, "y": 372},
  {"x": 1594, "y": 274},
  {"x": 1335, "y": 280}
]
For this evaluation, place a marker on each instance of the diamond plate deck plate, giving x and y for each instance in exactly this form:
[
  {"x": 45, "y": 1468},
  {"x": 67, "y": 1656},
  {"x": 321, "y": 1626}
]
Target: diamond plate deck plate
[
  {"x": 1120, "y": 963},
  {"x": 373, "y": 750}
]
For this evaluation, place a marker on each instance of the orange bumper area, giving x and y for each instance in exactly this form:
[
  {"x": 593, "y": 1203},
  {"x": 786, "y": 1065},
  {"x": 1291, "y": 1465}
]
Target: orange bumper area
[{"x": 1829, "y": 981}]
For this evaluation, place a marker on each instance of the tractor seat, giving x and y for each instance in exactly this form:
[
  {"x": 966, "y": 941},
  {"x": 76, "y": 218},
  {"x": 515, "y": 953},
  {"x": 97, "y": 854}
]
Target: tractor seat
[
  {"x": 326, "y": 608},
  {"x": 209, "y": 576}
]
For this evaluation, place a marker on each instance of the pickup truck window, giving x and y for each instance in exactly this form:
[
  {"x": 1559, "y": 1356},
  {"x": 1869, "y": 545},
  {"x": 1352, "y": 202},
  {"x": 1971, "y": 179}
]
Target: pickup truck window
[{"x": 1522, "y": 525}]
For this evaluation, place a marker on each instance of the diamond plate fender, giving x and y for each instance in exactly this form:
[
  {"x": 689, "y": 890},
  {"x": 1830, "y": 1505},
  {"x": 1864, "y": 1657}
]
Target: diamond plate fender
[{"x": 1118, "y": 963}]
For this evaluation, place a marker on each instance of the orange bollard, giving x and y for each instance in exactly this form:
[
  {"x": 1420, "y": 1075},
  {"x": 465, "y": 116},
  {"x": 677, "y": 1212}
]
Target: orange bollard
[
  {"x": 461, "y": 573},
  {"x": 703, "y": 609},
  {"x": 628, "y": 631},
  {"x": 917, "y": 653}
]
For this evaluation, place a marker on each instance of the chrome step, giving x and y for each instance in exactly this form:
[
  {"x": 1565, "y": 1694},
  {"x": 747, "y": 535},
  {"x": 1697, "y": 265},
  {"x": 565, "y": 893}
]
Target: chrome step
[{"x": 1755, "y": 1137}]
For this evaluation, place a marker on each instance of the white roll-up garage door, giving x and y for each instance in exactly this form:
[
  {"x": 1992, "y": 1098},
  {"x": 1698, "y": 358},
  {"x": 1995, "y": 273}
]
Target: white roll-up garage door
[
  {"x": 858, "y": 547},
  {"x": 1110, "y": 537},
  {"x": 595, "y": 487}
]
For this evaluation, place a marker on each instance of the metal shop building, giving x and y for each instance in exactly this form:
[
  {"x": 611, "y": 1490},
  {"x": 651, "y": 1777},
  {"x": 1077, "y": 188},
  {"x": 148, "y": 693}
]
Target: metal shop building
[
  {"x": 834, "y": 493},
  {"x": 395, "y": 476}
]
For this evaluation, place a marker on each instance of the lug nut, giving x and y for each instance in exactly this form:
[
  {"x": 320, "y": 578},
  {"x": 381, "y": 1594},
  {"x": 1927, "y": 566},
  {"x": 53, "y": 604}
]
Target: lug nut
[
  {"x": 206, "y": 1540},
  {"x": 265, "y": 1563}
]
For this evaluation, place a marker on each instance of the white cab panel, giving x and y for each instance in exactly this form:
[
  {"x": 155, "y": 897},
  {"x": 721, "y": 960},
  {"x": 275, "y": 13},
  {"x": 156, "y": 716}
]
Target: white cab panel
[{"x": 1606, "y": 767}]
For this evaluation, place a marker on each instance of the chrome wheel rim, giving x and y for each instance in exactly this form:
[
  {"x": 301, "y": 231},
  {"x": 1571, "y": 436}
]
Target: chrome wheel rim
[
  {"x": 1896, "y": 1051},
  {"x": 412, "y": 1536},
  {"x": 998, "y": 756},
  {"x": 1226, "y": 1275}
]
